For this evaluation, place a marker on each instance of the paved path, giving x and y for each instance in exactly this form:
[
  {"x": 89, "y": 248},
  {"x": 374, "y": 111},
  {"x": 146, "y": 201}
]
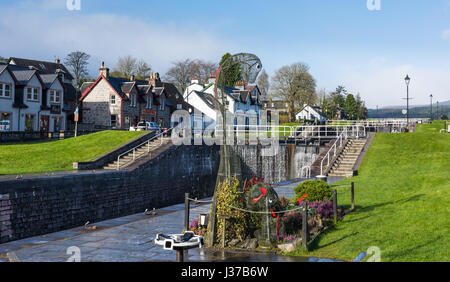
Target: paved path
[{"x": 126, "y": 239}]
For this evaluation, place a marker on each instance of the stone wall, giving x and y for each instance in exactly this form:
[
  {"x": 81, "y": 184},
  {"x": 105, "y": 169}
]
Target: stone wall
[
  {"x": 30, "y": 207},
  {"x": 35, "y": 206}
]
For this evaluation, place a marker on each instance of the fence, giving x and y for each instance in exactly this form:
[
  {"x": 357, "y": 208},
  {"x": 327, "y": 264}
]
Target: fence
[{"x": 304, "y": 208}]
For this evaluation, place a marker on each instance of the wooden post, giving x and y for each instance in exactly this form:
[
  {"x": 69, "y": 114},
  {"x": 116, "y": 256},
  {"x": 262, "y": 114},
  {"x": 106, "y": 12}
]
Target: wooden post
[
  {"x": 305, "y": 231},
  {"x": 353, "y": 195},
  {"x": 335, "y": 206},
  {"x": 223, "y": 231},
  {"x": 212, "y": 222},
  {"x": 186, "y": 211}
]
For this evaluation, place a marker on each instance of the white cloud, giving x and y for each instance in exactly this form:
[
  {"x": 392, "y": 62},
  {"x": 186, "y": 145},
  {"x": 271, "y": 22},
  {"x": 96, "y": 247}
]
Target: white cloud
[
  {"x": 446, "y": 34},
  {"x": 44, "y": 30}
]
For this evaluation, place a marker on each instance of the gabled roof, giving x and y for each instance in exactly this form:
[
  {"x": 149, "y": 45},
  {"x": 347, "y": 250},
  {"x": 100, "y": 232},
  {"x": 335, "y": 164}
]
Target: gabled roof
[
  {"x": 4, "y": 67},
  {"x": 23, "y": 75},
  {"x": 207, "y": 98},
  {"x": 42, "y": 66}
]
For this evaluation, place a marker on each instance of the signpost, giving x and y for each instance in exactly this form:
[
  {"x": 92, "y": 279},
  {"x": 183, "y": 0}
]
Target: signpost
[{"x": 76, "y": 121}]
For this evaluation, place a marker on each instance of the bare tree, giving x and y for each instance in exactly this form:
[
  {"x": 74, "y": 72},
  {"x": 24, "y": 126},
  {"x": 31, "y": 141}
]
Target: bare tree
[
  {"x": 126, "y": 66},
  {"x": 264, "y": 84},
  {"x": 295, "y": 85},
  {"x": 182, "y": 72},
  {"x": 142, "y": 70},
  {"x": 77, "y": 62}
]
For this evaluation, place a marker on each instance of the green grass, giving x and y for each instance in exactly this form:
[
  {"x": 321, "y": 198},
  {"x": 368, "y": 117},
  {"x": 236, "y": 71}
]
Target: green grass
[
  {"x": 402, "y": 196},
  {"x": 60, "y": 155}
]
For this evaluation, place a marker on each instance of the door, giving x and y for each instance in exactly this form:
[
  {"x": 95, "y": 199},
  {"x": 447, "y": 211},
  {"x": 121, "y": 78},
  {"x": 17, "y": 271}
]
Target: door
[{"x": 44, "y": 125}]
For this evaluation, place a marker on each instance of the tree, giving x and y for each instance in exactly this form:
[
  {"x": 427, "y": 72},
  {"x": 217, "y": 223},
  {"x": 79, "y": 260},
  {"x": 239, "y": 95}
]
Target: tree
[
  {"x": 362, "y": 111},
  {"x": 295, "y": 85},
  {"x": 182, "y": 72},
  {"x": 125, "y": 67},
  {"x": 350, "y": 107},
  {"x": 264, "y": 84},
  {"x": 77, "y": 62},
  {"x": 233, "y": 74},
  {"x": 142, "y": 70}
]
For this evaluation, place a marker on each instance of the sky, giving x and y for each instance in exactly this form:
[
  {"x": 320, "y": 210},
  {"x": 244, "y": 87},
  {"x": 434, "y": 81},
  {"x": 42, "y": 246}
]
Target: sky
[{"x": 369, "y": 51}]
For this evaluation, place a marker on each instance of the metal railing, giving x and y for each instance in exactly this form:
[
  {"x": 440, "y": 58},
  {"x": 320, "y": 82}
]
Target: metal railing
[
  {"x": 134, "y": 149},
  {"x": 293, "y": 132},
  {"x": 339, "y": 142}
]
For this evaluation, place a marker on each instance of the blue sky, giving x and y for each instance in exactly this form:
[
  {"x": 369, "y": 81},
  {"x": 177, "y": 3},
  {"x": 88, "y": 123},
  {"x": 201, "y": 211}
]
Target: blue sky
[{"x": 343, "y": 42}]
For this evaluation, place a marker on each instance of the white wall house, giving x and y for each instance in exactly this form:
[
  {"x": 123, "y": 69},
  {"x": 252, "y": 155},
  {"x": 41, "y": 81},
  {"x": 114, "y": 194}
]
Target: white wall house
[
  {"x": 311, "y": 113},
  {"x": 7, "y": 91},
  {"x": 243, "y": 102},
  {"x": 27, "y": 103}
]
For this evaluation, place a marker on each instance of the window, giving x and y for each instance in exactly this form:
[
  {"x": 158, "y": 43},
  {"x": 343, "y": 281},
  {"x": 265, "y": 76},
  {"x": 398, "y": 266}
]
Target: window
[
  {"x": 29, "y": 122},
  {"x": 32, "y": 94},
  {"x": 149, "y": 102},
  {"x": 112, "y": 99},
  {"x": 127, "y": 122},
  {"x": 161, "y": 106},
  {"x": 5, "y": 121},
  {"x": 55, "y": 96},
  {"x": 113, "y": 120},
  {"x": 5, "y": 90}
]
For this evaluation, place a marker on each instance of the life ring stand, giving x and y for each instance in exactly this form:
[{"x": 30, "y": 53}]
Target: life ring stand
[{"x": 179, "y": 242}]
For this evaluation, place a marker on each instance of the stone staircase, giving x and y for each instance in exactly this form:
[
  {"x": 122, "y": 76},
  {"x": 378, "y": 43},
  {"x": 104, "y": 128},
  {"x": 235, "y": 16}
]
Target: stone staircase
[
  {"x": 139, "y": 152},
  {"x": 343, "y": 166}
]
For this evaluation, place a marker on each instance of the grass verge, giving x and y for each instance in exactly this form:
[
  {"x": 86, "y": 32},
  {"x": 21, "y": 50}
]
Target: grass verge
[{"x": 60, "y": 155}]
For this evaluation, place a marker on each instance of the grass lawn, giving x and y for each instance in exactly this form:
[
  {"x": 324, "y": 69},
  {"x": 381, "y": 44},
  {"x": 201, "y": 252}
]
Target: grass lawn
[
  {"x": 60, "y": 155},
  {"x": 402, "y": 197}
]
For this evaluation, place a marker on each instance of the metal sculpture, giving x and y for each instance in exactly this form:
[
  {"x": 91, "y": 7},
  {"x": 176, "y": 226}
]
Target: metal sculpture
[{"x": 247, "y": 67}]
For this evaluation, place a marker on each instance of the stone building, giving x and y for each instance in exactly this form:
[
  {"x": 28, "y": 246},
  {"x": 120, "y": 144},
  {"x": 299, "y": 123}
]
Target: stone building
[{"x": 120, "y": 103}]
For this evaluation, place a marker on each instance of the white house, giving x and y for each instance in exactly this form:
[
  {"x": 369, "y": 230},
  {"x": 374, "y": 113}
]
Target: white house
[
  {"x": 311, "y": 113},
  {"x": 7, "y": 94},
  {"x": 30, "y": 101},
  {"x": 243, "y": 102}
]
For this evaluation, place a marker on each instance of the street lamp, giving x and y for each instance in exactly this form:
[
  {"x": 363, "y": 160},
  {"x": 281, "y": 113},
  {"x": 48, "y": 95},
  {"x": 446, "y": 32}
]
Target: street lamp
[
  {"x": 431, "y": 107},
  {"x": 407, "y": 80}
]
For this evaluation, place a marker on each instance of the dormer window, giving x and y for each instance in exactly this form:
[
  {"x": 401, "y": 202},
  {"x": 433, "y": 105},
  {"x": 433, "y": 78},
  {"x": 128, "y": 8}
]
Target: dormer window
[
  {"x": 33, "y": 94},
  {"x": 5, "y": 90},
  {"x": 55, "y": 96}
]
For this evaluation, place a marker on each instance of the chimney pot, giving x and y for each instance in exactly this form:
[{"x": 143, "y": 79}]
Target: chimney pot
[{"x": 58, "y": 61}]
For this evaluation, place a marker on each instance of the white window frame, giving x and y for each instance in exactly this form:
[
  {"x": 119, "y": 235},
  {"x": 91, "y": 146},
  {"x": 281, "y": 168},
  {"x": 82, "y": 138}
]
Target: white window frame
[
  {"x": 34, "y": 94},
  {"x": 55, "y": 94},
  {"x": 3, "y": 90},
  {"x": 112, "y": 99}
]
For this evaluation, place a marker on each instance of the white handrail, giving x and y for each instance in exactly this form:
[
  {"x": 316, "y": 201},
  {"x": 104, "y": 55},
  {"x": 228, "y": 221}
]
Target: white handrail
[
  {"x": 334, "y": 148},
  {"x": 140, "y": 145},
  {"x": 308, "y": 171}
]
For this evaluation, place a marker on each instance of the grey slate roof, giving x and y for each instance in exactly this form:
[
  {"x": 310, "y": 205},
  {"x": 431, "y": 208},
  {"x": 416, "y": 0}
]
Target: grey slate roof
[
  {"x": 42, "y": 66},
  {"x": 48, "y": 79},
  {"x": 207, "y": 98}
]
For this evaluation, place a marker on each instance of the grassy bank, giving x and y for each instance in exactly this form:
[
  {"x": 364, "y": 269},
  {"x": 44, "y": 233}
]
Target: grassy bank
[
  {"x": 402, "y": 198},
  {"x": 60, "y": 155}
]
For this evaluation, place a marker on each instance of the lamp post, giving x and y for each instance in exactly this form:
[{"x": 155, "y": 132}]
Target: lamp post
[
  {"x": 407, "y": 80},
  {"x": 431, "y": 107},
  {"x": 437, "y": 110}
]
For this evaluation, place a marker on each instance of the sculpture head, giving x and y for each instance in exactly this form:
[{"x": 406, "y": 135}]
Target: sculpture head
[{"x": 262, "y": 197}]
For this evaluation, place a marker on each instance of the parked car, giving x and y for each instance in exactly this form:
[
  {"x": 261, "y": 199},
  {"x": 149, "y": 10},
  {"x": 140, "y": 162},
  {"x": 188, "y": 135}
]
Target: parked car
[
  {"x": 146, "y": 126},
  {"x": 5, "y": 125}
]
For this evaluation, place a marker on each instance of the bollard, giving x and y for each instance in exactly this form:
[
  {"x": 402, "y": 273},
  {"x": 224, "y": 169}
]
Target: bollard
[
  {"x": 353, "y": 195},
  {"x": 186, "y": 211},
  {"x": 305, "y": 232},
  {"x": 335, "y": 206}
]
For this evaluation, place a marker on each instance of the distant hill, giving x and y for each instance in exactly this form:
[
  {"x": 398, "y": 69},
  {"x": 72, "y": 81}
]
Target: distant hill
[{"x": 414, "y": 111}]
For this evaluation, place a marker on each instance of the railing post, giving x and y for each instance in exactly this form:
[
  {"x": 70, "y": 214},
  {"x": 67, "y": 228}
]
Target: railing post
[
  {"x": 134, "y": 154},
  {"x": 353, "y": 195},
  {"x": 118, "y": 163},
  {"x": 305, "y": 226},
  {"x": 335, "y": 206},
  {"x": 186, "y": 211}
]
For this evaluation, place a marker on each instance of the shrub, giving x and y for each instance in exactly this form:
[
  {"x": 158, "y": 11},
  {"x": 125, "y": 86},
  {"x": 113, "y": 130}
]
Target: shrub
[{"x": 315, "y": 189}]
